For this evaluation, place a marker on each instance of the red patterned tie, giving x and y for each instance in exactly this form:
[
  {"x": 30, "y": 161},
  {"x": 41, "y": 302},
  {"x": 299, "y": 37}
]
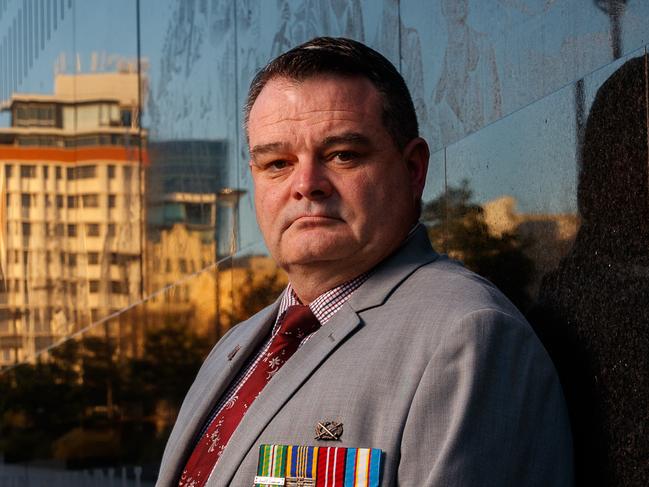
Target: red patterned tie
[{"x": 297, "y": 322}]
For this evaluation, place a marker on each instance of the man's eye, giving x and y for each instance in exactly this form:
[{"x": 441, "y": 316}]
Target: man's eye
[
  {"x": 277, "y": 165},
  {"x": 345, "y": 156}
]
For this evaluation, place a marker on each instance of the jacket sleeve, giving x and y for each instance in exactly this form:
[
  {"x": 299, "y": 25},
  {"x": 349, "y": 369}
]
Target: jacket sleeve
[{"x": 488, "y": 411}]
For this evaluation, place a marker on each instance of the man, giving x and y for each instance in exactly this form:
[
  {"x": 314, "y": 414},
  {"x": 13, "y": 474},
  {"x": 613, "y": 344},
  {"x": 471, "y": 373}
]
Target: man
[{"x": 413, "y": 355}]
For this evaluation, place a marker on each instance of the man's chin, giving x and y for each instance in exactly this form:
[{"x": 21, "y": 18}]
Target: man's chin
[
  {"x": 316, "y": 252},
  {"x": 307, "y": 246}
]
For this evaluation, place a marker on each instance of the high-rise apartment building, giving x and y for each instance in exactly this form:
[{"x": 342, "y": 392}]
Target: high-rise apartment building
[{"x": 71, "y": 214}]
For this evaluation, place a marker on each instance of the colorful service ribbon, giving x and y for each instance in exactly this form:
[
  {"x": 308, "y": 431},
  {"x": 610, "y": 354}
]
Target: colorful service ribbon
[{"x": 312, "y": 466}]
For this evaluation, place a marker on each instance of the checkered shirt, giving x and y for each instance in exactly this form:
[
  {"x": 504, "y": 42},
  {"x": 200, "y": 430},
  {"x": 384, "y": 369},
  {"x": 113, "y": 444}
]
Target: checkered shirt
[{"x": 323, "y": 307}]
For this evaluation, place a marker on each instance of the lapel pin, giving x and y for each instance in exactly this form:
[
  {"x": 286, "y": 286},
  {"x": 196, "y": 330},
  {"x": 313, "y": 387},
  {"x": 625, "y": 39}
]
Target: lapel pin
[
  {"x": 233, "y": 352},
  {"x": 328, "y": 431}
]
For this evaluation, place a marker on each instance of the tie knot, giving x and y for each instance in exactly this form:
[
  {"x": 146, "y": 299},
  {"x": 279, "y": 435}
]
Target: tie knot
[{"x": 298, "y": 321}]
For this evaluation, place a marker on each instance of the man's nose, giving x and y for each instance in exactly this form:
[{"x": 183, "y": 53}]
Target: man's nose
[{"x": 311, "y": 181}]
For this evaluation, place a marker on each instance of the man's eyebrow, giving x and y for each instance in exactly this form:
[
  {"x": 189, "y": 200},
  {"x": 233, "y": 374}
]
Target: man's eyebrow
[
  {"x": 266, "y": 148},
  {"x": 346, "y": 138}
]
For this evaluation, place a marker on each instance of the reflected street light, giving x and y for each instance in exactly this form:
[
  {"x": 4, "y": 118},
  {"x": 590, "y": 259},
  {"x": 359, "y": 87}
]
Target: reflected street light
[{"x": 614, "y": 9}]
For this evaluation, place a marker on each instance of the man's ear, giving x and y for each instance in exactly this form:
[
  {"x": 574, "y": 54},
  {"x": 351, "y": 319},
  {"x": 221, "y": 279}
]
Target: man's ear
[{"x": 416, "y": 155}]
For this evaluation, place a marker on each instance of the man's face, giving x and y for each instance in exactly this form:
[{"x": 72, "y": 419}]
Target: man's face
[{"x": 331, "y": 188}]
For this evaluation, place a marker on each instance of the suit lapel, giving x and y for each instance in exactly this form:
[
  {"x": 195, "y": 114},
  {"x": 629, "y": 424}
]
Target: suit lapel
[
  {"x": 415, "y": 252},
  {"x": 212, "y": 382},
  {"x": 283, "y": 385}
]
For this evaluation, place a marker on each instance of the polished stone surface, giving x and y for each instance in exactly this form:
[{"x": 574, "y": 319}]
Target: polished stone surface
[{"x": 593, "y": 310}]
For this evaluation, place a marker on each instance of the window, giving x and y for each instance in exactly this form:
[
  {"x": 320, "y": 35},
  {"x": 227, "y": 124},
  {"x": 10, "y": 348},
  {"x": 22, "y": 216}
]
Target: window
[
  {"x": 93, "y": 258},
  {"x": 59, "y": 172},
  {"x": 34, "y": 115},
  {"x": 92, "y": 229},
  {"x": 117, "y": 287},
  {"x": 93, "y": 286},
  {"x": 114, "y": 258},
  {"x": 111, "y": 171},
  {"x": 72, "y": 260},
  {"x": 27, "y": 171},
  {"x": 182, "y": 264},
  {"x": 111, "y": 230},
  {"x": 70, "y": 172},
  {"x": 85, "y": 172},
  {"x": 72, "y": 201},
  {"x": 58, "y": 230},
  {"x": 46, "y": 172},
  {"x": 90, "y": 201},
  {"x": 112, "y": 200},
  {"x": 126, "y": 117},
  {"x": 8, "y": 169},
  {"x": 25, "y": 200},
  {"x": 72, "y": 230},
  {"x": 59, "y": 201},
  {"x": 27, "y": 229}
]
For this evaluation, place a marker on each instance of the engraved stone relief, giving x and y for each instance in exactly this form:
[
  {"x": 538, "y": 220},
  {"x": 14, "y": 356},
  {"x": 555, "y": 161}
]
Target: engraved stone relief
[
  {"x": 468, "y": 92},
  {"x": 194, "y": 92},
  {"x": 410, "y": 65}
]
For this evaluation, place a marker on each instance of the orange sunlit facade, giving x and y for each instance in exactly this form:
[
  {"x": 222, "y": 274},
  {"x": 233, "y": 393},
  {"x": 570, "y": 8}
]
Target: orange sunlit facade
[{"x": 72, "y": 217}]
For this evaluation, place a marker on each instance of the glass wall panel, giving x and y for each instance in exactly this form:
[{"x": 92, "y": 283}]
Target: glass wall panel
[
  {"x": 193, "y": 122},
  {"x": 516, "y": 182},
  {"x": 484, "y": 60},
  {"x": 521, "y": 176}
]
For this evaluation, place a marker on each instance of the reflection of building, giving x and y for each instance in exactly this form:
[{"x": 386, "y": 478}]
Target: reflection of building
[
  {"x": 72, "y": 226},
  {"x": 208, "y": 293},
  {"x": 187, "y": 184},
  {"x": 191, "y": 223},
  {"x": 548, "y": 236}
]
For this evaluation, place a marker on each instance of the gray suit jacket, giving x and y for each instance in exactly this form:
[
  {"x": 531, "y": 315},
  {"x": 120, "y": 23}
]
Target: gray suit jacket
[{"x": 426, "y": 361}]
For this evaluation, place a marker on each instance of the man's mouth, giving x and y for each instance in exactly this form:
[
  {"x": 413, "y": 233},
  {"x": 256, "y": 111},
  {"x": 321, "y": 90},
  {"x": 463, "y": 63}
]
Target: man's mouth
[{"x": 314, "y": 220}]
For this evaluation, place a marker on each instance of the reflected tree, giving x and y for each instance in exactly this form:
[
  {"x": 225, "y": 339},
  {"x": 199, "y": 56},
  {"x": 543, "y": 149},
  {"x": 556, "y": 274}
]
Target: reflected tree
[
  {"x": 456, "y": 225},
  {"x": 172, "y": 355},
  {"x": 39, "y": 403},
  {"x": 86, "y": 405},
  {"x": 256, "y": 293}
]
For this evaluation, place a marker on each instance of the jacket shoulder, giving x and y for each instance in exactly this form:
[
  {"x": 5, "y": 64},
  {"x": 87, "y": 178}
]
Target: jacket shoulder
[{"x": 446, "y": 288}]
